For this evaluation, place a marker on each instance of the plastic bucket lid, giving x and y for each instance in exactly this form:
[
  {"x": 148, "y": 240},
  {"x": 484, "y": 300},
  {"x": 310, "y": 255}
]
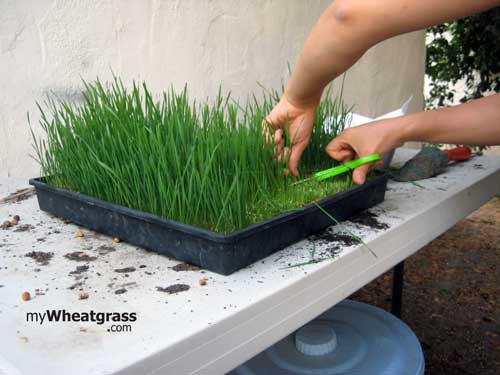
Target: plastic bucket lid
[{"x": 351, "y": 338}]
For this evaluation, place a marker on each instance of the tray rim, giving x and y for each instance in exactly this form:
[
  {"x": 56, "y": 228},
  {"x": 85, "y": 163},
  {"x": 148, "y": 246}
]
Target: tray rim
[{"x": 231, "y": 237}]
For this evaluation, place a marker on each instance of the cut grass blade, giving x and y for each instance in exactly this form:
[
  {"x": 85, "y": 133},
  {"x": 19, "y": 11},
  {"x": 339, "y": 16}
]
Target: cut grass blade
[
  {"x": 312, "y": 261},
  {"x": 357, "y": 238}
]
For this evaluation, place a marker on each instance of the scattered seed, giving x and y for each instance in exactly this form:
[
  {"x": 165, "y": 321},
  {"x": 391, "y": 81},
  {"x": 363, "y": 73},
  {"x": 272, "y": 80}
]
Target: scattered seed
[
  {"x": 120, "y": 291},
  {"x": 16, "y": 217},
  {"x": 25, "y": 296},
  {"x": 23, "y": 339},
  {"x": 116, "y": 240},
  {"x": 83, "y": 295},
  {"x": 203, "y": 280},
  {"x": 14, "y": 221}
]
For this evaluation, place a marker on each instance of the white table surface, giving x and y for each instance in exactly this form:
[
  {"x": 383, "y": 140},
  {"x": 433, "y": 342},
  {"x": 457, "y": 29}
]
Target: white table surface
[{"x": 208, "y": 329}]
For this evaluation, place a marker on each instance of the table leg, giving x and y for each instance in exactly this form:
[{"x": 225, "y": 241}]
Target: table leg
[{"x": 397, "y": 289}]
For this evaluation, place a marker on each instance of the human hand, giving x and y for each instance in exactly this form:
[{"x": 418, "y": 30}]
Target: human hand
[
  {"x": 300, "y": 121},
  {"x": 376, "y": 137}
]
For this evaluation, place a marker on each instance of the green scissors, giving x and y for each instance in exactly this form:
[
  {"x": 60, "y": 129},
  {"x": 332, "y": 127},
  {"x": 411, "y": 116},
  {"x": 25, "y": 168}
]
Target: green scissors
[{"x": 343, "y": 168}]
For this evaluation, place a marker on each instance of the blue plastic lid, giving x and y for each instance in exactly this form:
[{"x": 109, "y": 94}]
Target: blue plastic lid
[
  {"x": 369, "y": 341},
  {"x": 316, "y": 338}
]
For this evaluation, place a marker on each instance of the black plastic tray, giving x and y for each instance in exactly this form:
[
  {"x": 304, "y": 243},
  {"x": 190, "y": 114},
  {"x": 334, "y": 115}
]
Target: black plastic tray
[{"x": 221, "y": 253}]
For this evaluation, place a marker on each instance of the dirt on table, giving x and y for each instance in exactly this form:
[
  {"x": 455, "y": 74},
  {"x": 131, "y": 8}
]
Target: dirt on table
[
  {"x": 185, "y": 267},
  {"x": 104, "y": 249},
  {"x": 18, "y": 195},
  {"x": 329, "y": 237},
  {"x": 79, "y": 270},
  {"x": 451, "y": 296},
  {"x": 23, "y": 228},
  {"x": 174, "y": 288},
  {"x": 41, "y": 257},
  {"x": 369, "y": 219},
  {"x": 80, "y": 256},
  {"x": 6, "y": 225},
  {"x": 78, "y": 284},
  {"x": 125, "y": 270}
]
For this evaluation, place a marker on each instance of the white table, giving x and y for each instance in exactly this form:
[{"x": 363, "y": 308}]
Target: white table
[{"x": 208, "y": 329}]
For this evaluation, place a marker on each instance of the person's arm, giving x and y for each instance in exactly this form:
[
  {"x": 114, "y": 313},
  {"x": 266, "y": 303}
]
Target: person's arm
[
  {"x": 476, "y": 122},
  {"x": 349, "y": 27},
  {"x": 341, "y": 36}
]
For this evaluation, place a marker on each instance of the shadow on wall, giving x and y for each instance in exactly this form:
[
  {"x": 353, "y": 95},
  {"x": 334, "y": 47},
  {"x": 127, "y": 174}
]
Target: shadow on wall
[{"x": 70, "y": 94}]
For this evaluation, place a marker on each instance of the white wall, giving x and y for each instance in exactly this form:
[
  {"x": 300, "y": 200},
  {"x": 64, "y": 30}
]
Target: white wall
[{"x": 48, "y": 46}]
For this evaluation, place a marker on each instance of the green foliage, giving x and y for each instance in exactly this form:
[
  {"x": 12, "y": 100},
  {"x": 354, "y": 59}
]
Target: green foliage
[
  {"x": 467, "y": 49},
  {"x": 202, "y": 164}
]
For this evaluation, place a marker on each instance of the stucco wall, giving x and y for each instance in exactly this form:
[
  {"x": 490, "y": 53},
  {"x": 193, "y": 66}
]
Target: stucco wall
[{"x": 48, "y": 46}]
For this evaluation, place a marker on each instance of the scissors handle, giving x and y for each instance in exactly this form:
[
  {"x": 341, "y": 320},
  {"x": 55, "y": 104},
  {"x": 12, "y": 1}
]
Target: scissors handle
[{"x": 346, "y": 167}]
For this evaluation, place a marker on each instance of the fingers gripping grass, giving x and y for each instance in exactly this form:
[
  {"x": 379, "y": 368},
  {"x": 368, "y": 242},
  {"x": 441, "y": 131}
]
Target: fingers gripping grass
[{"x": 202, "y": 164}]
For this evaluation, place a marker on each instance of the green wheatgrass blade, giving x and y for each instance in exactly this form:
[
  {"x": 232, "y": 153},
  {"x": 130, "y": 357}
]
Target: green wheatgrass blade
[
  {"x": 357, "y": 238},
  {"x": 312, "y": 261},
  {"x": 203, "y": 164}
]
